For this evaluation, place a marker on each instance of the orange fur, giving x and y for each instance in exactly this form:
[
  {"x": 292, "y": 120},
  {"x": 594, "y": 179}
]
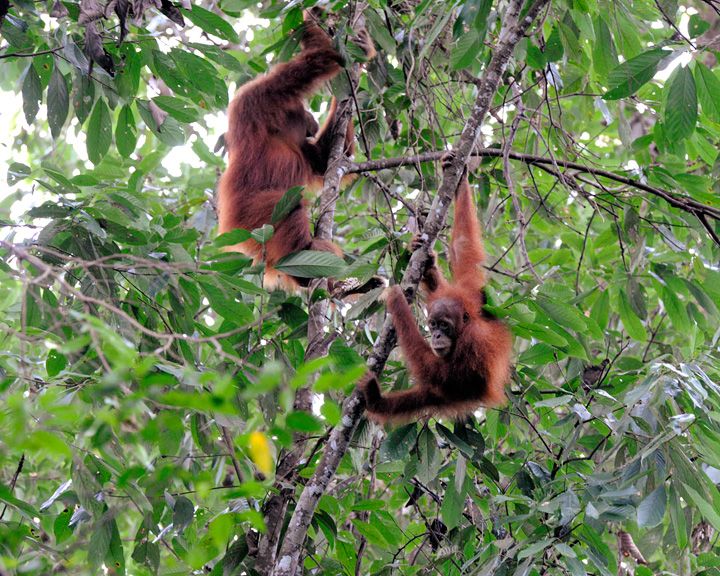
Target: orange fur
[
  {"x": 476, "y": 370},
  {"x": 273, "y": 145}
]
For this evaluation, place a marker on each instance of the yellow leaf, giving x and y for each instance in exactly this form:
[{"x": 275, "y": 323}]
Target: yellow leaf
[{"x": 260, "y": 452}]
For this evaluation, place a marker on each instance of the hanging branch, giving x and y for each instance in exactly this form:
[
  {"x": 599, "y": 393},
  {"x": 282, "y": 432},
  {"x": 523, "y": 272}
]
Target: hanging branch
[{"x": 513, "y": 30}]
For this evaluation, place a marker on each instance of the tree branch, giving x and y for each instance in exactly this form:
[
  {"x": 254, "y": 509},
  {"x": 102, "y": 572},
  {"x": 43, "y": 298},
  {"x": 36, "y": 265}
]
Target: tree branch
[
  {"x": 682, "y": 202},
  {"x": 511, "y": 33},
  {"x": 318, "y": 340}
]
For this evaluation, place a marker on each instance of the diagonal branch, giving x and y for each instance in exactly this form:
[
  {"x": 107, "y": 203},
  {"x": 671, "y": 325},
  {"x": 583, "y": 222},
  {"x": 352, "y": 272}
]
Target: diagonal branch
[{"x": 514, "y": 28}]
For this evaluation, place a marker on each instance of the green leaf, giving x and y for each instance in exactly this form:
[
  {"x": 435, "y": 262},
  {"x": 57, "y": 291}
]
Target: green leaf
[
  {"x": 677, "y": 516},
  {"x": 428, "y": 455},
  {"x": 566, "y": 315},
  {"x": 465, "y": 50},
  {"x": 61, "y": 526},
  {"x": 675, "y": 310},
  {"x": 569, "y": 506},
  {"x": 24, "y": 508},
  {"x": 681, "y": 104},
  {"x": 177, "y": 108},
  {"x": 263, "y": 234},
  {"x": 697, "y": 26},
  {"x": 553, "y": 47},
  {"x": 231, "y": 238},
  {"x": 632, "y": 324},
  {"x": 706, "y": 508},
  {"x": 480, "y": 21},
  {"x": 628, "y": 77},
  {"x": 290, "y": 200},
  {"x": 539, "y": 354},
  {"x": 225, "y": 58},
  {"x": 205, "y": 154},
  {"x": 211, "y": 23},
  {"x": 115, "y": 559},
  {"x": 32, "y": 94},
  {"x": 183, "y": 513},
  {"x": 455, "y": 440},
  {"x": 126, "y": 132},
  {"x": 398, "y": 443},
  {"x": 223, "y": 301},
  {"x": 371, "y": 532},
  {"x": 534, "y": 548},
  {"x": 127, "y": 77},
  {"x": 637, "y": 297},
  {"x": 311, "y": 264},
  {"x": 55, "y": 363},
  {"x": 708, "y": 91},
  {"x": 83, "y": 96},
  {"x": 17, "y": 172},
  {"x": 99, "y": 132},
  {"x": 170, "y": 132},
  {"x": 452, "y": 506},
  {"x": 58, "y": 102},
  {"x": 331, "y": 412},
  {"x": 99, "y": 545},
  {"x": 600, "y": 311},
  {"x": 303, "y": 422},
  {"x": 535, "y": 58},
  {"x": 651, "y": 510}
]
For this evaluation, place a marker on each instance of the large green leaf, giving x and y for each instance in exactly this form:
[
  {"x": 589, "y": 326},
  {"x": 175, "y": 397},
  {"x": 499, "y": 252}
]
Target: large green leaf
[
  {"x": 26, "y": 509},
  {"x": 681, "y": 104},
  {"x": 83, "y": 96},
  {"x": 290, "y": 200},
  {"x": 211, "y": 23},
  {"x": 677, "y": 516},
  {"x": 233, "y": 237},
  {"x": 604, "y": 53},
  {"x": 651, "y": 510},
  {"x": 566, "y": 315},
  {"x": 398, "y": 443},
  {"x": 177, "y": 108},
  {"x": 452, "y": 506},
  {"x": 708, "y": 91},
  {"x": 675, "y": 310},
  {"x": 311, "y": 264},
  {"x": 465, "y": 50},
  {"x": 628, "y": 77},
  {"x": 126, "y": 132},
  {"x": 32, "y": 94},
  {"x": 99, "y": 132},
  {"x": 632, "y": 324},
  {"x": 224, "y": 302},
  {"x": 707, "y": 510},
  {"x": 58, "y": 102}
]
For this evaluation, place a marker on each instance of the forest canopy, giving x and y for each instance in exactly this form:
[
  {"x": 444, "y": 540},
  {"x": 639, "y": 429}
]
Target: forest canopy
[{"x": 163, "y": 412}]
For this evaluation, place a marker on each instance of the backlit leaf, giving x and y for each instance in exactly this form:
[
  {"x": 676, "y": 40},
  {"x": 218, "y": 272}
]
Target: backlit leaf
[
  {"x": 681, "y": 104},
  {"x": 628, "y": 77}
]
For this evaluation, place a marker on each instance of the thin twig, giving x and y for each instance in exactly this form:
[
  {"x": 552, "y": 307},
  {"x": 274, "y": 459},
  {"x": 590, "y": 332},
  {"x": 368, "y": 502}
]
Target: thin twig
[{"x": 14, "y": 480}]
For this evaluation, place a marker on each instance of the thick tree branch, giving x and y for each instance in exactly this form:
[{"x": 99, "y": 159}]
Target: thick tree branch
[
  {"x": 680, "y": 201},
  {"x": 513, "y": 30}
]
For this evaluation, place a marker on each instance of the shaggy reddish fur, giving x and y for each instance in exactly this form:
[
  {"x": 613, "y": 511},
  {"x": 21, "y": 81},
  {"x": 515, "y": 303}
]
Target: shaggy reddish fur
[
  {"x": 475, "y": 372},
  {"x": 273, "y": 144}
]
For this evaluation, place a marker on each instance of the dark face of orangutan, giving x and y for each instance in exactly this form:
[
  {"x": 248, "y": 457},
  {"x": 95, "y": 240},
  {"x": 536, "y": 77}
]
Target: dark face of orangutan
[{"x": 446, "y": 323}]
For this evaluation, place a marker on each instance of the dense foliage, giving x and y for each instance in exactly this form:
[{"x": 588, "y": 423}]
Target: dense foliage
[{"x": 148, "y": 380}]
